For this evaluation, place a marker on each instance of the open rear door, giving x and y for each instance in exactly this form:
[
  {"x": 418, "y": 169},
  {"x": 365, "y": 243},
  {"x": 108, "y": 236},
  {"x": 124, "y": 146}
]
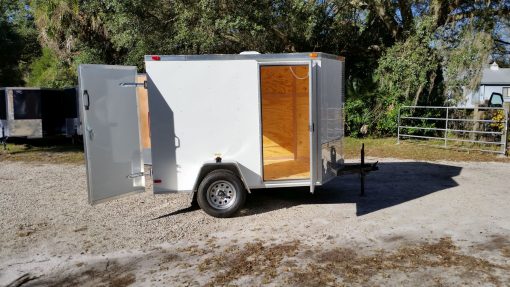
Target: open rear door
[{"x": 109, "y": 114}]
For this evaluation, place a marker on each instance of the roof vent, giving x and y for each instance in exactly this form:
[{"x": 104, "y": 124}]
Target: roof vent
[
  {"x": 494, "y": 66},
  {"x": 249, "y": 53}
]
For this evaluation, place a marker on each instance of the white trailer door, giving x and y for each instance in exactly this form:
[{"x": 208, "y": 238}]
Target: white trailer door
[
  {"x": 109, "y": 114},
  {"x": 331, "y": 98},
  {"x": 313, "y": 127}
]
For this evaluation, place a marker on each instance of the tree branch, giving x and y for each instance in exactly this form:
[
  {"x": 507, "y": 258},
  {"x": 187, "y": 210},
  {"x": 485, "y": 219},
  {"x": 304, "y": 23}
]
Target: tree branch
[
  {"x": 381, "y": 10},
  {"x": 407, "y": 14},
  {"x": 441, "y": 10},
  {"x": 479, "y": 12},
  {"x": 502, "y": 42}
]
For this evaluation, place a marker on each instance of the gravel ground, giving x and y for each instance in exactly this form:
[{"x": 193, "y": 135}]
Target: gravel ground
[{"x": 436, "y": 223}]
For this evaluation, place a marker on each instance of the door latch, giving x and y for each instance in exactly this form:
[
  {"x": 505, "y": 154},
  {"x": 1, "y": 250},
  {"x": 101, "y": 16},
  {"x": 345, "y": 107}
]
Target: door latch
[
  {"x": 140, "y": 174},
  {"x": 127, "y": 85},
  {"x": 136, "y": 174}
]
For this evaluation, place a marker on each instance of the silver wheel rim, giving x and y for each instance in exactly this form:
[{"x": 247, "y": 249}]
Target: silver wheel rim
[{"x": 221, "y": 194}]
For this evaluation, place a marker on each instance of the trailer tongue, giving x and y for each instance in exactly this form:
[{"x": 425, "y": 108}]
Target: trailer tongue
[{"x": 352, "y": 168}]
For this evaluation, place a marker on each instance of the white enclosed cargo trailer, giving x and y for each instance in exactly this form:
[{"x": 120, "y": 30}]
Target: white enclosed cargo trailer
[{"x": 220, "y": 125}]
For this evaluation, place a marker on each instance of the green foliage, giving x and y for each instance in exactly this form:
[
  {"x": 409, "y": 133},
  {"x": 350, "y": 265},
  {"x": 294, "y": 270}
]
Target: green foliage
[
  {"x": 404, "y": 74},
  {"x": 357, "y": 114},
  {"x": 47, "y": 71},
  {"x": 404, "y": 69},
  {"x": 399, "y": 52},
  {"x": 462, "y": 61},
  {"x": 18, "y": 42}
]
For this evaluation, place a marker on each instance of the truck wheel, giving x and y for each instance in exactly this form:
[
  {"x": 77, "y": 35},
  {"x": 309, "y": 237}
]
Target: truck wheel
[{"x": 221, "y": 193}]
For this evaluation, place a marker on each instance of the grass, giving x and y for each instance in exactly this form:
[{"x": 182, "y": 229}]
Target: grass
[
  {"x": 58, "y": 151},
  {"x": 63, "y": 151},
  {"x": 388, "y": 147},
  {"x": 298, "y": 264}
]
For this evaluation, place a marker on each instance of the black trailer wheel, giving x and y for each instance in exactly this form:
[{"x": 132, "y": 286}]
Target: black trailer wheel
[{"x": 221, "y": 193}]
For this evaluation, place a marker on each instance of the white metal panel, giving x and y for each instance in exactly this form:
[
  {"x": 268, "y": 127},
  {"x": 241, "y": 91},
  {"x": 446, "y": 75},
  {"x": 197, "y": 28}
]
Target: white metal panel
[
  {"x": 111, "y": 133},
  {"x": 313, "y": 119},
  {"x": 198, "y": 110},
  {"x": 331, "y": 118}
]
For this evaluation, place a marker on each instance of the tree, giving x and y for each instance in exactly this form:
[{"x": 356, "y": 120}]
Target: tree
[
  {"x": 398, "y": 52},
  {"x": 435, "y": 49},
  {"x": 18, "y": 38}
]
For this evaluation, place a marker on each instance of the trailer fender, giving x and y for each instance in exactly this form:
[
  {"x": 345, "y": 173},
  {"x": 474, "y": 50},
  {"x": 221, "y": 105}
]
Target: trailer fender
[{"x": 210, "y": 166}]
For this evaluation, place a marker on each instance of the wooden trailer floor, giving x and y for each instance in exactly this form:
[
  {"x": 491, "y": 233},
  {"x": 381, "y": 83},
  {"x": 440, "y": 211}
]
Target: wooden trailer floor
[{"x": 287, "y": 169}]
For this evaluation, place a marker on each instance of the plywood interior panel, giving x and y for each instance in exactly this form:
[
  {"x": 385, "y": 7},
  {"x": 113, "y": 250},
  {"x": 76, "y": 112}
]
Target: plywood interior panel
[
  {"x": 285, "y": 118},
  {"x": 143, "y": 113}
]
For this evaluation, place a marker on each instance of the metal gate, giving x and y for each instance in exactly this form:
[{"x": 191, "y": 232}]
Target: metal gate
[{"x": 482, "y": 129}]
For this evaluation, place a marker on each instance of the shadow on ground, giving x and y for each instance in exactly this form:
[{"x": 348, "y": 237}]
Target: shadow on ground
[{"x": 395, "y": 183}]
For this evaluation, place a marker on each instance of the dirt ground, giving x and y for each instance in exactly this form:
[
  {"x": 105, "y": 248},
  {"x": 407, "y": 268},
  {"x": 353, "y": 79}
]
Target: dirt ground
[{"x": 420, "y": 223}]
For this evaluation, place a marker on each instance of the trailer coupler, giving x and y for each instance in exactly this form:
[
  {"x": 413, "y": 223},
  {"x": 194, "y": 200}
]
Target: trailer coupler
[{"x": 353, "y": 168}]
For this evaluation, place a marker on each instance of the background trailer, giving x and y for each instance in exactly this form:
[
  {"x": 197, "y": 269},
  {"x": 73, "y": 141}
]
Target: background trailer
[
  {"x": 38, "y": 113},
  {"x": 220, "y": 125}
]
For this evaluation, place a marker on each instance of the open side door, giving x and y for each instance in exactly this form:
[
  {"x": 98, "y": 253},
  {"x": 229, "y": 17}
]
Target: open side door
[
  {"x": 313, "y": 127},
  {"x": 109, "y": 114},
  {"x": 331, "y": 117}
]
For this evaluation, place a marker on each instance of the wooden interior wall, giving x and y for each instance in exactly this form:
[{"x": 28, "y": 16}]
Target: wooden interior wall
[
  {"x": 285, "y": 117},
  {"x": 143, "y": 112}
]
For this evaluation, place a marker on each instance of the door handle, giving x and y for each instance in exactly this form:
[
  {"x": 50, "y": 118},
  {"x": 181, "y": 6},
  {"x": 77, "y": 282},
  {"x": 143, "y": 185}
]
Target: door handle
[{"x": 86, "y": 100}]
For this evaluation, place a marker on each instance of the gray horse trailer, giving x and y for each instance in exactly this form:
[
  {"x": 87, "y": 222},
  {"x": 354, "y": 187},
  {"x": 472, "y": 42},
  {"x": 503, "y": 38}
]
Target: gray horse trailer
[{"x": 220, "y": 126}]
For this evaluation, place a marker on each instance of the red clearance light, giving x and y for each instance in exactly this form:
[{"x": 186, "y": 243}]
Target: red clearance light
[
  {"x": 157, "y": 181},
  {"x": 156, "y": 58}
]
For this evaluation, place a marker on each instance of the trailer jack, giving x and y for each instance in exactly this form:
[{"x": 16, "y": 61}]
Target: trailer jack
[{"x": 362, "y": 169}]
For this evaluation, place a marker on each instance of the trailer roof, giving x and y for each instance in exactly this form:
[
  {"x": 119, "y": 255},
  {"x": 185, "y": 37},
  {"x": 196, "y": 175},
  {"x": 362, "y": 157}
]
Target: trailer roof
[{"x": 281, "y": 56}]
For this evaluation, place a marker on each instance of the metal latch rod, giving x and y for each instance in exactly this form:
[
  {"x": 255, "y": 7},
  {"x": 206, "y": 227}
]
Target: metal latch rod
[
  {"x": 135, "y": 175},
  {"x": 144, "y": 84}
]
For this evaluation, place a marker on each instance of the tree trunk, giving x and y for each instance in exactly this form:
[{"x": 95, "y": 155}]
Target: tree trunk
[{"x": 418, "y": 94}]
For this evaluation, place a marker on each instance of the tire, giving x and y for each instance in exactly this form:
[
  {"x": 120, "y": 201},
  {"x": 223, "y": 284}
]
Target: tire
[{"x": 221, "y": 193}]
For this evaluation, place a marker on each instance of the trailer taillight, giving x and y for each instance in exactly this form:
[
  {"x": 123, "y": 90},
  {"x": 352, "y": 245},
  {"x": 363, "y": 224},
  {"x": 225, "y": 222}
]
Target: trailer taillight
[
  {"x": 157, "y": 181},
  {"x": 156, "y": 58}
]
